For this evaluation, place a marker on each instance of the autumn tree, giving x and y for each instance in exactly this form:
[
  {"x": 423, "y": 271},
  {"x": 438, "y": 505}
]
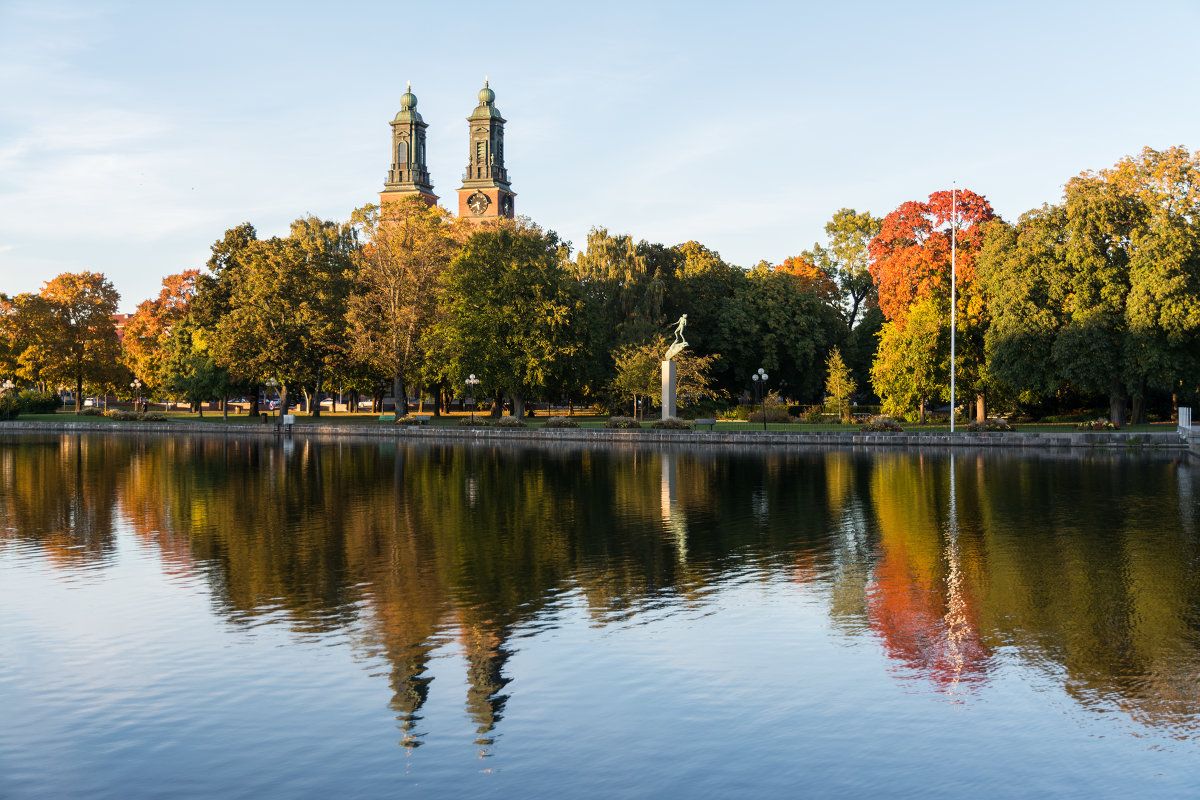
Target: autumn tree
[
  {"x": 147, "y": 331},
  {"x": 84, "y": 343},
  {"x": 406, "y": 248},
  {"x": 507, "y": 306},
  {"x": 910, "y": 264}
]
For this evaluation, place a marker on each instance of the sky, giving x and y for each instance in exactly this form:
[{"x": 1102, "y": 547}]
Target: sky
[{"x": 133, "y": 134}]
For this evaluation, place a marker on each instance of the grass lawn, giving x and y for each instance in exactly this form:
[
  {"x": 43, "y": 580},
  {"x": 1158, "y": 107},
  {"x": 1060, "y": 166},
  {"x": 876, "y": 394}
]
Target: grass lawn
[{"x": 583, "y": 420}]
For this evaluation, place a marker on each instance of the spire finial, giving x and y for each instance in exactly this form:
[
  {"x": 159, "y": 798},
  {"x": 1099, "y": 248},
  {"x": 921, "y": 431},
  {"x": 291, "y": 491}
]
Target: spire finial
[
  {"x": 485, "y": 79},
  {"x": 409, "y": 88}
]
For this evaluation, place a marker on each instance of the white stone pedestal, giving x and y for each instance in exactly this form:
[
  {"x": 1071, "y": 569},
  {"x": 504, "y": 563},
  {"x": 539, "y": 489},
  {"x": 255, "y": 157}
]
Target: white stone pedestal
[{"x": 668, "y": 389}]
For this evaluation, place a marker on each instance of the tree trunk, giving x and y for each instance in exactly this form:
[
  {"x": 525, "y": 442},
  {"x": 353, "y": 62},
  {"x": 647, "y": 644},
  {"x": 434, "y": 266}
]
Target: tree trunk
[
  {"x": 1116, "y": 402},
  {"x": 225, "y": 408},
  {"x": 314, "y": 403},
  {"x": 78, "y": 393},
  {"x": 401, "y": 395},
  {"x": 921, "y": 413},
  {"x": 283, "y": 400},
  {"x": 1139, "y": 404},
  {"x": 518, "y": 409},
  {"x": 981, "y": 407},
  {"x": 497, "y": 406},
  {"x": 254, "y": 412}
]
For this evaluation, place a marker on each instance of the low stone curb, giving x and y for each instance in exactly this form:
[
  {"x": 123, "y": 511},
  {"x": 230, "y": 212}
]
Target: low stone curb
[{"x": 1167, "y": 440}]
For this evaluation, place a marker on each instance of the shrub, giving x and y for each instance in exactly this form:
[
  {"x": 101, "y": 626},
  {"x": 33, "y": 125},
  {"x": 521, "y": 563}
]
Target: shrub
[
  {"x": 10, "y": 407},
  {"x": 121, "y": 415},
  {"x": 32, "y": 402},
  {"x": 1100, "y": 424},
  {"x": 509, "y": 422},
  {"x": 91, "y": 411},
  {"x": 672, "y": 424},
  {"x": 882, "y": 425},
  {"x": 478, "y": 422},
  {"x": 409, "y": 419},
  {"x": 622, "y": 422},
  {"x": 741, "y": 412},
  {"x": 813, "y": 415},
  {"x": 774, "y": 414},
  {"x": 990, "y": 426},
  {"x": 561, "y": 422}
]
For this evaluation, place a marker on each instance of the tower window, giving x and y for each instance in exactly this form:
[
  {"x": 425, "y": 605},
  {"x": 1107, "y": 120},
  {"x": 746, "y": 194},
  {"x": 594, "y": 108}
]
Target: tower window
[
  {"x": 402, "y": 153},
  {"x": 480, "y": 151}
]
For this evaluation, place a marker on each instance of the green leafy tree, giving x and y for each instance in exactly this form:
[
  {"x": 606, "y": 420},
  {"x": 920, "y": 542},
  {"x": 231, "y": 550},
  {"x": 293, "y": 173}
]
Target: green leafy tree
[
  {"x": 285, "y": 318},
  {"x": 622, "y": 286},
  {"x": 639, "y": 375},
  {"x": 847, "y": 259},
  {"x": 507, "y": 308},
  {"x": 777, "y": 321},
  {"x": 911, "y": 364}
]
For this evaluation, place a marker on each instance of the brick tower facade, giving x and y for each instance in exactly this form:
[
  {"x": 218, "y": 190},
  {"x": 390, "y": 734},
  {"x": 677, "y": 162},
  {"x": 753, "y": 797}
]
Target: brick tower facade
[{"x": 485, "y": 192}]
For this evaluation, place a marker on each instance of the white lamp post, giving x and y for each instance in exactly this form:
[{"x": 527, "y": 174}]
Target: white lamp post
[
  {"x": 760, "y": 385},
  {"x": 471, "y": 383}
]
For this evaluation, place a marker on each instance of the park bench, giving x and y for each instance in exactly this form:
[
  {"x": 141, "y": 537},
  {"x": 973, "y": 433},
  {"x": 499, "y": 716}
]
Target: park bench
[
  {"x": 420, "y": 419},
  {"x": 709, "y": 422},
  {"x": 387, "y": 417}
]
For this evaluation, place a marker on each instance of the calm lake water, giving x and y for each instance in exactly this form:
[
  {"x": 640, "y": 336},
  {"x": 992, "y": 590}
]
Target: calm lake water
[{"x": 199, "y": 618}]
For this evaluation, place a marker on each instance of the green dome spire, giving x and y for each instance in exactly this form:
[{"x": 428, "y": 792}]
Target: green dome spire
[
  {"x": 408, "y": 107},
  {"x": 408, "y": 100}
]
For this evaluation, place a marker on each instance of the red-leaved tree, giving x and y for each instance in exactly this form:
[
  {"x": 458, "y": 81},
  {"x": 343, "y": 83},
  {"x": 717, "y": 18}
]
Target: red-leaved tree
[{"x": 910, "y": 263}]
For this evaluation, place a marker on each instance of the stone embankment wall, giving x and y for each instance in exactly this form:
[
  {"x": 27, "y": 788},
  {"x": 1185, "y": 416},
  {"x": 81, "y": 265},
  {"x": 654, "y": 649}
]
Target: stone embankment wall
[{"x": 602, "y": 436}]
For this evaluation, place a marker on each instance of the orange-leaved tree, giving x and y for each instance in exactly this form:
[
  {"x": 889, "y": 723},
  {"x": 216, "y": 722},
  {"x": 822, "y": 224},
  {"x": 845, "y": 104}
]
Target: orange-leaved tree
[{"x": 147, "y": 331}]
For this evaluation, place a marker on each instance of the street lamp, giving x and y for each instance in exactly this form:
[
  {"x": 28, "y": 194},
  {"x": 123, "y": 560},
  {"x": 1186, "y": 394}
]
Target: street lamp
[
  {"x": 272, "y": 386},
  {"x": 5, "y": 388},
  {"x": 760, "y": 385},
  {"x": 471, "y": 383},
  {"x": 137, "y": 392}
]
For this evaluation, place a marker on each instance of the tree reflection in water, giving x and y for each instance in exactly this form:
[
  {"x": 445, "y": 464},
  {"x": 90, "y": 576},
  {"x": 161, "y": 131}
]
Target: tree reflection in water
[{"x": 1081, "y": 566}]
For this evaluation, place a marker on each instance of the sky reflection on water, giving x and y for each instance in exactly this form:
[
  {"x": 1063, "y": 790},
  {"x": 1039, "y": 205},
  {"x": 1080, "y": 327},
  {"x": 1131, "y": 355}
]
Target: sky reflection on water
[{"x": 207, "y": 617}]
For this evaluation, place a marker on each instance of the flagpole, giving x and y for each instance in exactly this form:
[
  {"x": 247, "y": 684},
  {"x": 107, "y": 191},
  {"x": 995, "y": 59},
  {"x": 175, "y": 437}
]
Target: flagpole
[{"x": 953, "y": 290}]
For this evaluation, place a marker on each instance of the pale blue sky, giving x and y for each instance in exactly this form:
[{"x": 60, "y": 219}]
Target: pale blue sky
[{"x": 133, "y": 134}]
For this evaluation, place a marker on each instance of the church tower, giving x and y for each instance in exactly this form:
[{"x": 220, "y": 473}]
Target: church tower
[
  {"x": 408, "y": 174},
  {"x": 485, "y": 193}
]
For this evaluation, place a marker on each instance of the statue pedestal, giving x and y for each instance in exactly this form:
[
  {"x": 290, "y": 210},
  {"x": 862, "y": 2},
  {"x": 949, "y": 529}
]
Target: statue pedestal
[{"x": 668, "y": 389}]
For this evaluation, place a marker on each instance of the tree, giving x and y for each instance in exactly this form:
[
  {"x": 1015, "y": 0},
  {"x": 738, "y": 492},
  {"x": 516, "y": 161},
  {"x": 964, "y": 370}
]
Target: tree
[
  {"x": 285, "y": 317},
  {"x": 84, "y": 346},
  {"x": 910, "y": 263},
  {"x": 407, "y": 246},
  {"x": 1023, "y": 273},
  {"x": 911, "y": 364},
  {"x": 1108, "y": 283},
  {"x": 839, "y": 385},
  {"x": 847, "y": 260},
  {"x": 507, "y": 306},
  {"x": 622, "y": 286},
  {"x": 147, "y": 331},
  {"x": 777, "y": 321},
  {"x": 639, "y": 374}
]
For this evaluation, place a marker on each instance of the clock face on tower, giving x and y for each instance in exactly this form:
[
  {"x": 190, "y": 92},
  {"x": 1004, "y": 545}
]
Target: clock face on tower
[{"x": 478, "y": 203}]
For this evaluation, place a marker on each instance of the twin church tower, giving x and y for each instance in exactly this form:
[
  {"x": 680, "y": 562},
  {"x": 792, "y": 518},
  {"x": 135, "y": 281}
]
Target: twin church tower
[{"x": 485, "y": 192}]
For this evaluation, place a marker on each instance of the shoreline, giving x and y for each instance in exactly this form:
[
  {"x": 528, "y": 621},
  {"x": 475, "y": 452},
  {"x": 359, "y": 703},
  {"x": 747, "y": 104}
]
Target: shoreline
[{"x": 1088, "y": 440}]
